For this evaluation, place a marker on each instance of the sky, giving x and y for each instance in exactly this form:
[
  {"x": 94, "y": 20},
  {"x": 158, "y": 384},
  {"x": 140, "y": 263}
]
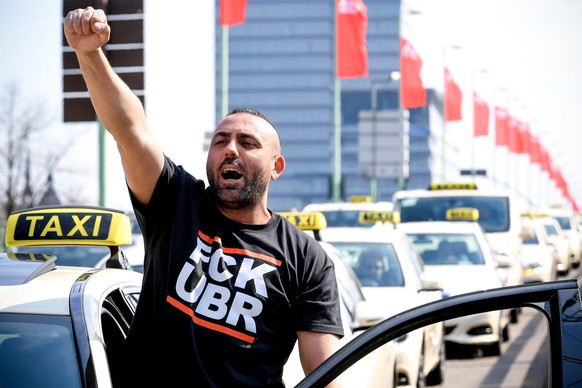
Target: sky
[
  {"x": 30, "y": 58},
  {"x": 524, "y": 54}
]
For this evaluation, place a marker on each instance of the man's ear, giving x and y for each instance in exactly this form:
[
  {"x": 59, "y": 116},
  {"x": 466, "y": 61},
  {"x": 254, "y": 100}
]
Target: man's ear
[{"x": 279, "y": 166}]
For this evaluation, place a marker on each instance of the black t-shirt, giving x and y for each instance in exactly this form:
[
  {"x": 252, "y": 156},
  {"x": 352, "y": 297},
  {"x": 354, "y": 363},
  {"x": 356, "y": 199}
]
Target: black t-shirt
[{"x": 221, "y": 301}]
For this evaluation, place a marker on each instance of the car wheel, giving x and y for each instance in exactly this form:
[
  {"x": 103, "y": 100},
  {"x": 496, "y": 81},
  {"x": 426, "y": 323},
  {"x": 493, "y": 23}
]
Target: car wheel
[
  {"x": 421, "y": 379},
  {"x": 505, "y": 333},
  {"x": 437, "y": 375},
  {"x": 395, "y": 377},
  {"x": 495, "y": 348}
]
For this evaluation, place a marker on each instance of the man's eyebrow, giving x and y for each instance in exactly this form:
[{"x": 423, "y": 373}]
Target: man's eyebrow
[
  {"x": 248, "y": 136},
  {"x": 221, "y": 134}
]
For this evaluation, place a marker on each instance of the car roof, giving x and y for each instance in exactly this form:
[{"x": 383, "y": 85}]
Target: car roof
[
  {"x": 425, "y": 193},
  {"x": 34, "y": 283},
  {"x": 440, "y": 226},
  {"x": 48, "y": 292},
  {"x": 327, "y": 206},
  {"x": 377, "y": 233}
]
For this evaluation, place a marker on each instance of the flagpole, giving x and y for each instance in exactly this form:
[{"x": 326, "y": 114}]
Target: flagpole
[
  {"x": 336, "y": 173},
  {"x": 224, "y": 48}
]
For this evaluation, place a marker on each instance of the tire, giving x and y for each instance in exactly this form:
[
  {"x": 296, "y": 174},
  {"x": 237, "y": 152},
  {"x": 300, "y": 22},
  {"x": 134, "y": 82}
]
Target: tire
[
  {"x": 492, "y": 350},
  {"x": 437, "y": 375},
  {"x": 421, "y": 379},
  {"x": 505, "y": 333}
]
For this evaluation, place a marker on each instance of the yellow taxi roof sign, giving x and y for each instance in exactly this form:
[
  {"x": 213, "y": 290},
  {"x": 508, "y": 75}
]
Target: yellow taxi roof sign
[
  {"x": 452, "y": 186},
  {"x": 306, "y": 220},
  {"x": 65, "y": 225},
  {"x": 360, "y": 199},
  {"x": 462, "y": 214},
  {"x": 534, "y": 214},
  {"x": 370, "y": 216}
]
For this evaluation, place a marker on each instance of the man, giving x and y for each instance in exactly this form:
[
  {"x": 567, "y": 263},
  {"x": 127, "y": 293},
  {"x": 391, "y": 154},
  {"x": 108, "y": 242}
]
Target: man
[
  {"x": 371, "y": 268},
  {"x": 228, "y": 285}
]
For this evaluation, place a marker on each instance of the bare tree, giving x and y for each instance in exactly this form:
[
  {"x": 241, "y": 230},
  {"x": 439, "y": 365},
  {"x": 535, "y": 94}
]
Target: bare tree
[{"x": 20, "y": 121}]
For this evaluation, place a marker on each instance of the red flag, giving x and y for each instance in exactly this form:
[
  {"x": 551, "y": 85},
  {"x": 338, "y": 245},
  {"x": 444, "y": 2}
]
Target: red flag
[
  {"x": 352, "y": 55},
  {"x": 480, "y": 116},
  {"x": 524, "y": 138},
  {"x": 501, "y": 126},
  {"x": 453, "y": 98},
  {"x": 412, "y": 91},
  {"x": 545, "y": 159},
  {"x": 232, "y": 12},
  {"x": 535, "y": 152},
  {"x": 513, "y": 137}
]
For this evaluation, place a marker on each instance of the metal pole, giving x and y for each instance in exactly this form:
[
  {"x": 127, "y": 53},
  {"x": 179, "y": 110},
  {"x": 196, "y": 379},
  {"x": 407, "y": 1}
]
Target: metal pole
[
  {"x": 102, "y": 177},
  {"x": 224, "y": 71},
  {"x": 337, "y": 156},
  {"x": 374, "y": 107},
  {"x": 443, "y": 137}
]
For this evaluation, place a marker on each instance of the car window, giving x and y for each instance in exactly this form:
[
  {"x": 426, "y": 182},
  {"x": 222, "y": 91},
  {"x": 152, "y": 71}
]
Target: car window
[
  {"x": 564, "y": 222},
  {"x": 493, "y": 211},
  {"x": 551, "y": 230},
  {"x": 524, "y": 359},
  {"x": 344, "y": 218},
  {"x": 533, "y": 239},
  {"x": 448, "y": 248},
  {"x": 37, "y": 351},
  {"x": 375, "y": 264}
]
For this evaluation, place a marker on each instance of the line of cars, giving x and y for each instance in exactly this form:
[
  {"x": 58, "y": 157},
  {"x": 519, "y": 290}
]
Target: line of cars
[
  {"x": 382, "y": 323},
  {"x": 392, "y": 277}
]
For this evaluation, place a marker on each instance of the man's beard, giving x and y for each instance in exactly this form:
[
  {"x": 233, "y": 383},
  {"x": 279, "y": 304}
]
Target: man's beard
[{"x": 250, "y": 194}]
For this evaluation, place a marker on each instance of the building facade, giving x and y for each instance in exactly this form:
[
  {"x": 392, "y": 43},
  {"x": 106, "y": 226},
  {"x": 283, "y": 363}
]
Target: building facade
[{"x": 281, "y": 62}]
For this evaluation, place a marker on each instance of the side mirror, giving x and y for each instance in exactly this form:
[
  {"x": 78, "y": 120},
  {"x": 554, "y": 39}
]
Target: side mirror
[
  {"x": 526, "y": 234},
  {"x": 367, "y": 315},
  {"x": 429, "y": 283},
  {"x": 503, "y": 261}
]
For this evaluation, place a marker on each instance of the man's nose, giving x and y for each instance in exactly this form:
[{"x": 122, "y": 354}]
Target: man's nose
[{"x": 231, "y": 149}]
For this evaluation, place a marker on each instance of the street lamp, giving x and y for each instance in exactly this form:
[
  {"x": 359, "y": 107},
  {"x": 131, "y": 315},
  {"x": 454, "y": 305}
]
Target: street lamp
[{"x": 393, "y": 76}]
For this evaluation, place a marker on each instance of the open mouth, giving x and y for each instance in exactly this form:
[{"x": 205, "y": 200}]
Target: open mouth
[{"x": 231, "y": 174}]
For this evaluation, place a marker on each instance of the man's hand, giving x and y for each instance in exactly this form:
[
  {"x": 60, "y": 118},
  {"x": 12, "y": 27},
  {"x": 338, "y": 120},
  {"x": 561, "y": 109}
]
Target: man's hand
[{"x": 86, "y": 29}]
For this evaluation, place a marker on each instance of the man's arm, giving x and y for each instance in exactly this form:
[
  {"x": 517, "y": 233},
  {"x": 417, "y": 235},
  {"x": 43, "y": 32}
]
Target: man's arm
[
  {"x": 314, "y": 348},
  {"x": 118, "y": 108}
]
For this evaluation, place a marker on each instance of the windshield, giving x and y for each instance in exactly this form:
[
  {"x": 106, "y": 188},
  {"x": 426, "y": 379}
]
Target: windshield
[
  {"x": 71, "y": 255},
  {"x": 551, "y": 230},
  {"x": 343, "y": 218},
  {"x": 447, "y": 248},
  {"x": 375, "y": 264},
  {"x": 533, "y": 239},
  {"x": 564, "y": 222},
  {"x": 493, "y": 211},
  {"x": 37, "y": 351}
]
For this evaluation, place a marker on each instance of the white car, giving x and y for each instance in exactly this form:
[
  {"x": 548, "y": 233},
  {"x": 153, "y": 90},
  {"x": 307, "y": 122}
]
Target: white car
[
  {"x": 539, "y": 258},
  {"x": 376, "y": 369},
  {"x": 458, "y": 254},
  {"x": 347, "y": 214},
  {"x": 400, "y": 284},
  {"x": 569, "y": 226},
  {"x": 63, "y": 326},
  {"x": 559, "y": 240},
  {"x": 499, "y": 216}
]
